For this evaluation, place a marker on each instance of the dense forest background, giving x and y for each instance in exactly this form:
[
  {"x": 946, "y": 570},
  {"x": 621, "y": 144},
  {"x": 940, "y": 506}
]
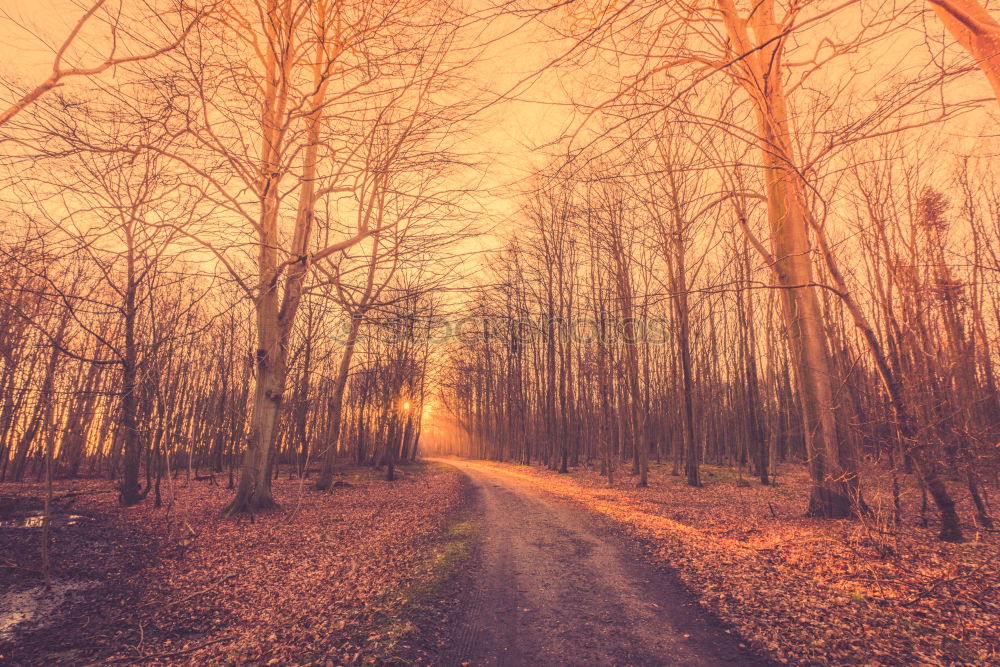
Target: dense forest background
[{"x": 243, "y": 239}]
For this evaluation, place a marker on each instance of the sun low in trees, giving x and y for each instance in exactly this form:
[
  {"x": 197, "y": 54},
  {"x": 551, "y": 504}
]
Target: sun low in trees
[
  {"x": 280, "y": 93},
  {"x": 264, "y": 125}
]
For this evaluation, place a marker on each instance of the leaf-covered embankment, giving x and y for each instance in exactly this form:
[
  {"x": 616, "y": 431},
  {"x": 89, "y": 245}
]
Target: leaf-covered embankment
[{"x": 314, "y": 582}]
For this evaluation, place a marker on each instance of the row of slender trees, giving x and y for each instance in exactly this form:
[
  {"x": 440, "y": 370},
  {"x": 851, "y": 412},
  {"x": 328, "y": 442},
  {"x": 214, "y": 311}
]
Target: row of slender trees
[
  {"x": 625, "y": 324},
  {"x": 770, "y": 199},
  {"x": 64, "y": 406},
  {"x": 785, "y": 128}
]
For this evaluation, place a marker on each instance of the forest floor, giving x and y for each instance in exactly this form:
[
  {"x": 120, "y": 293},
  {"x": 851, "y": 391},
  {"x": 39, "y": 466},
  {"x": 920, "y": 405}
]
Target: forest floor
[
  {"x": 525, "y": 567},
  {"x": 330, "y": 579},
  {"x": 797, "y": 590}
]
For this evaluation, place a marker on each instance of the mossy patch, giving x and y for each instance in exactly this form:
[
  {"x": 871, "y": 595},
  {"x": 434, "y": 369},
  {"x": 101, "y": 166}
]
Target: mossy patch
[{"x": 414, "y": 606}]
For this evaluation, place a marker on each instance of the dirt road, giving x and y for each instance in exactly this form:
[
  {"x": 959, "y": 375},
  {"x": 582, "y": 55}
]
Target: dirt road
[{"x": 549, "y": 583}]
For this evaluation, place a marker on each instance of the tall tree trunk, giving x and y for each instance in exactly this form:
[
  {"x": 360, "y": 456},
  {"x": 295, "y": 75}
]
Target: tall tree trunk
[
  {"x": 130, "y": 490},
  {"x": 834, "y": 487},
  {"x": 275, "y": 317},
  {"x": 336, "y": 407}
]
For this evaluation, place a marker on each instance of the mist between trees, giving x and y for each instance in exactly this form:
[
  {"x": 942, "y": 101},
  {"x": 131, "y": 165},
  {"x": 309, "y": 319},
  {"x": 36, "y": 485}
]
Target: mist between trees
[{"x": 515, "y": 332}]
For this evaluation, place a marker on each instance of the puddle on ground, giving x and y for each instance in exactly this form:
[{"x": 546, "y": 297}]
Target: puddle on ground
[
  {"x": 35, "y": 520},
  {"x": 36, "y": 606}
]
